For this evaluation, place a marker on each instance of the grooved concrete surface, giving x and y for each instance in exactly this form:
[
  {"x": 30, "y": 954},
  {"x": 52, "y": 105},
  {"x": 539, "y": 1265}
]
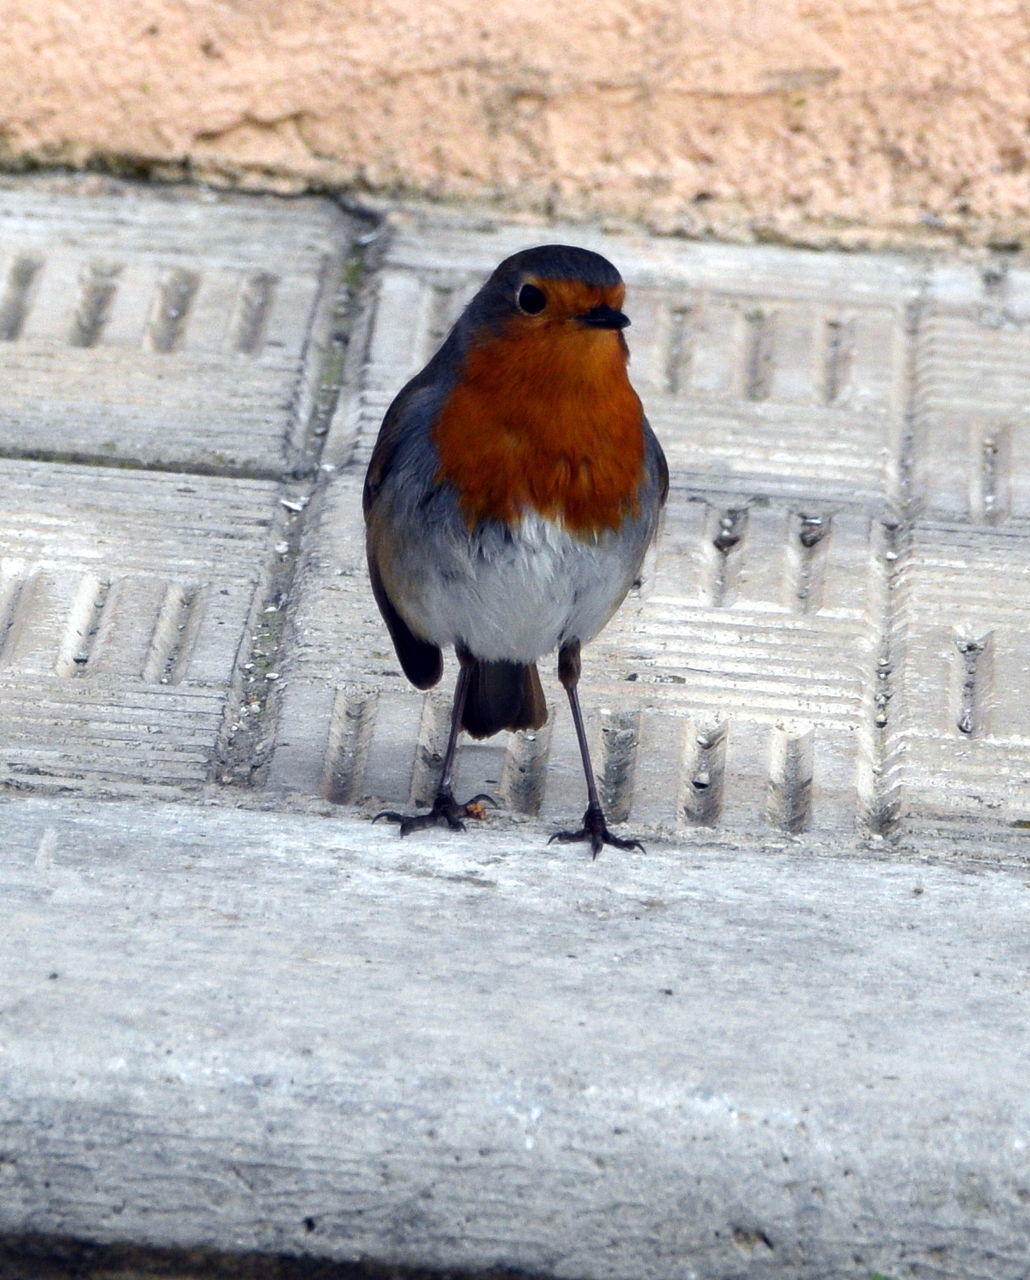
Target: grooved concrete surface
[
  {"x": 163, "y": 331},
  {"x": 792, "y": 1040}
]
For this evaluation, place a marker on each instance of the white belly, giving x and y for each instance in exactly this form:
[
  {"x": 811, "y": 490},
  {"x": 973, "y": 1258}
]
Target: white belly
[{"x": 518, "y": 595}]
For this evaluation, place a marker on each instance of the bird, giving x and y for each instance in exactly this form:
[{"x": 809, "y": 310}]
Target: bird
[{"x": 512, "y": 492}]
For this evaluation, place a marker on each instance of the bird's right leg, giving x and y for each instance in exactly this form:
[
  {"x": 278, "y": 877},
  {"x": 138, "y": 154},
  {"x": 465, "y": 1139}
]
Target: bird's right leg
[{"x": 446, "y": 811}]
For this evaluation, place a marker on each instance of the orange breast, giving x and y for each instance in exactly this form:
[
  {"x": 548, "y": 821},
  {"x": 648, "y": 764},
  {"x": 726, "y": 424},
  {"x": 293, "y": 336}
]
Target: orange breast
[{"x": 544, "y": 419}]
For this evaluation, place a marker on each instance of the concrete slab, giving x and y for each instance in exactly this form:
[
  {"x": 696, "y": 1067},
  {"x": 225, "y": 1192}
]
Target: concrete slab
[
  {"x": 971, "y": 452},
  {"x": 125, "y": 598},
  {"x": 170, "y": 331},
  {"x": 294, "y": 1033},
  {"x": 689, "y": 661},
  {"x": 959, "y": 756}
]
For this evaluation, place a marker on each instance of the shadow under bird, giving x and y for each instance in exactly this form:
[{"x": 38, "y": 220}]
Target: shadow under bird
[{"x": 512, "y": 493}]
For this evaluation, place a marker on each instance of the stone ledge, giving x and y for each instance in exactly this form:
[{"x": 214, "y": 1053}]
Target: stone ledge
[{"x": 478, "y": 1051}]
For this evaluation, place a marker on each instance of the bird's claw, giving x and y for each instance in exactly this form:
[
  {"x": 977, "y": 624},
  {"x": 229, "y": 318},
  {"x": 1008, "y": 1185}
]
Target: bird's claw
[
  {"x": 595, "y": 829},
  {"x": 446, "y": 811}
]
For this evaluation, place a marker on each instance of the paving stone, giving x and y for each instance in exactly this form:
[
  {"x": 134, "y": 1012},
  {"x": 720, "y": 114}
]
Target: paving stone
[
  {"x": 125, "y": 597},
  {"x": 757, "y": 666},
  {"x": 959, "y": 750},
  {"x": 971, "y": 451},
  {"x": 168, "y": 331}
]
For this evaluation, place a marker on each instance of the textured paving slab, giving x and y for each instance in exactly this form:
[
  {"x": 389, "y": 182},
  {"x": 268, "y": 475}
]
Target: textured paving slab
[
  {"x": 167, "y": 331},
  {"x": 770, "y": 672},
  {"x": 972, "y": 402},
  {"x": 293, "y": 1034},
  {"x": 124, "y": 600},
  {"x": 960, "y": 751},
  {"x": 727, "y": 695}
]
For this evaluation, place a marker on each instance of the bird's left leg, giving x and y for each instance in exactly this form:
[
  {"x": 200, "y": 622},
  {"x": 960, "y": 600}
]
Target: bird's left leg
[
  {"x": 446, "y": 810},
  {"x": 594, "y": 827}
]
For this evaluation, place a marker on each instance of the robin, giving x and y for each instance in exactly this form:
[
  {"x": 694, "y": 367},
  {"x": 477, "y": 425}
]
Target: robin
[{"x": 513, "y": 490}]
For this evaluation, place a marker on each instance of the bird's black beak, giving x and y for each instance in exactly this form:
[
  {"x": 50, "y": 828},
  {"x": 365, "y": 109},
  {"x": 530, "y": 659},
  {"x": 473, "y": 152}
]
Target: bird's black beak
[{"x": 604, "y": 317}]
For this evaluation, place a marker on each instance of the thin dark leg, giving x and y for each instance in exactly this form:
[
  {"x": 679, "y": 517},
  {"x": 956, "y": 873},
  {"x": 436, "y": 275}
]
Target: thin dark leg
[
  {"x": 593, "y": 800},
  {"x": 461, "y": 689},
  {"x": 594, "y": 828},
  {"x": 446, "y": 810}
]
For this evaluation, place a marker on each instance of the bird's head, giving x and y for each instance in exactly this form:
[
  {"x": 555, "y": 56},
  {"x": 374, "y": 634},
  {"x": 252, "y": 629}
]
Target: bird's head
[{"x": 553, "y": 307}]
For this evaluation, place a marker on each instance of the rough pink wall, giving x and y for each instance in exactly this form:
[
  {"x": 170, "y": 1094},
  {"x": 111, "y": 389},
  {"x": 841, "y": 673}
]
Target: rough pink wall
[{"x": 792, "y": 117}]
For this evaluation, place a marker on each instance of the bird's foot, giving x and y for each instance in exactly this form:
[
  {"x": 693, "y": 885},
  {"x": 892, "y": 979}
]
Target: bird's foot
[
  {"x": 595, "y": 829},
  {"x": 446, "y": 811}
]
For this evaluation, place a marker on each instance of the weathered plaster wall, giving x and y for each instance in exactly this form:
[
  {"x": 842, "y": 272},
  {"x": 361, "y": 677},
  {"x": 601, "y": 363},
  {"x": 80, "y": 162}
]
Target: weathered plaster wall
[{"x": 778, "y": 116}]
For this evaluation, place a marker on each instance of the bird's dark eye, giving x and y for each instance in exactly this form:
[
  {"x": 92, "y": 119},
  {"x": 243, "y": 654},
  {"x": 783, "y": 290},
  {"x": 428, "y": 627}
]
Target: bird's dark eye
[{"x": 531, "y": 300}]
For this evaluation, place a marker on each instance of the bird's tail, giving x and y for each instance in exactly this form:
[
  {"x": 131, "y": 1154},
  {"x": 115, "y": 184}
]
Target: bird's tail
[{"x": 503, "y": 695}]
